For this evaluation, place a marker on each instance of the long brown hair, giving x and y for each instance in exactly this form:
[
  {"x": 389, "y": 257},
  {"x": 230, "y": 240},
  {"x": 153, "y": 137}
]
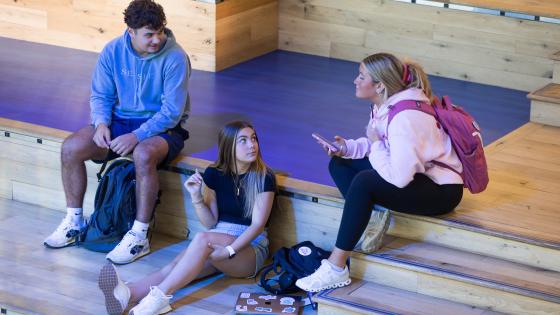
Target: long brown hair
[
  {"x": 396, "y": 75},
  {"x": 253, "y": 181}
]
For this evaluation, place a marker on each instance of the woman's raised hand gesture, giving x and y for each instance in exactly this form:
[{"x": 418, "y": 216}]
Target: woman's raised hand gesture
[{"x": 194, "y": 186}]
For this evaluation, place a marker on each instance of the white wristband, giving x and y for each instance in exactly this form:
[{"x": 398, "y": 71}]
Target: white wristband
[{"x": 231, "y": 251}]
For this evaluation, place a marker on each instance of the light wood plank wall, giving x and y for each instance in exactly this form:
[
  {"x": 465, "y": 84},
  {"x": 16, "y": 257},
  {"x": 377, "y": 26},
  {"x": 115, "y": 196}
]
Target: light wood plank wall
[
  {"x": 482, "y": 48},
  {"x": 548, "y": 8},
  {"x": 216, "y": 36}
]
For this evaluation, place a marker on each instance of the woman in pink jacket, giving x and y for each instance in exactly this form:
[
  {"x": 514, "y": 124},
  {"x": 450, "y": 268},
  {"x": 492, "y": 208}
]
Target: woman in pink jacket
[{"x": 393, "y": 166}]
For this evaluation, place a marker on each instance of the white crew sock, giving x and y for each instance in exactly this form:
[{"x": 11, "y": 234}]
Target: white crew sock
[
  {"x": 141, "y": 229},
  {"x": 335, "y": 267},
  {"x": 76, "y": 215}
]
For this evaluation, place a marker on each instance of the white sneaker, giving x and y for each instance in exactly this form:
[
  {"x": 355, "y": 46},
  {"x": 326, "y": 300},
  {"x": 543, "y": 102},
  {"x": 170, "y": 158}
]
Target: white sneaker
[
  {"x": 155, "y": 303},
  {"x": 117, "y": 294},
  {"x": 66, "y": 234},
  {"x": 324, "y": 278},
  {"x": 375, "y": 231},
  {"x": 129, "y": 249}
]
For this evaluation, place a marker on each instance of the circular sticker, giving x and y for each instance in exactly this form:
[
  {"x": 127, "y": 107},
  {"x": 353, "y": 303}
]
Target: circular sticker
[{"x": 304, "y": 251}]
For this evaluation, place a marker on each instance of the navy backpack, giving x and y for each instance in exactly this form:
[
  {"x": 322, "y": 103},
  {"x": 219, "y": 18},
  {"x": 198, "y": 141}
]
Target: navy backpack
[
  {"x": 291, "y": 264},
  {"x": 115, "y": 207}
]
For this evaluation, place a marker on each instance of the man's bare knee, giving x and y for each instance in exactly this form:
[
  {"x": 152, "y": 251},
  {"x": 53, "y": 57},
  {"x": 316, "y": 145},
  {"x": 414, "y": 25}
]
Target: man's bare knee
[
  {"x": 145, "y": 158},
  {"x": 80, "y": 146}
]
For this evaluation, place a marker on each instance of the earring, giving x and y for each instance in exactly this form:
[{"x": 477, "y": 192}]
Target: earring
[{"x": 379, "y": 91}]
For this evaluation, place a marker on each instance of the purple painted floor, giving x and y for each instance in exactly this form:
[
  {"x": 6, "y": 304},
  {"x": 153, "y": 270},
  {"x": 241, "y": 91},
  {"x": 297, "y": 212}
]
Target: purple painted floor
[{"x": 286, "y": 95}]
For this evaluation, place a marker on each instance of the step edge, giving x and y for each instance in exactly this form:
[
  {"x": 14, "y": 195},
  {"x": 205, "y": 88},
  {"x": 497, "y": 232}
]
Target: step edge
[
  {"x": 323, "y": 296},
  {"x": 448, "y": 222},
  {"x": 536, "y": 97},
  {"x": 181, "y": 165},
  {"x": 463, "y": 277}
]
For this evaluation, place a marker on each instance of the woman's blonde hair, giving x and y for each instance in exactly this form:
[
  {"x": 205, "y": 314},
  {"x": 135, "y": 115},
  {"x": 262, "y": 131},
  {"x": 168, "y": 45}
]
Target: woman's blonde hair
[
  {"x": 396, "y": 75},
  {"x": 253, "y": 181}
]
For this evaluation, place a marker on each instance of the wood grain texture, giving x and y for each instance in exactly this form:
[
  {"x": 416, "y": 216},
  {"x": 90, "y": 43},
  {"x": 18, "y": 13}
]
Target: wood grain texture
[
  {"x": 550, "y": 94},
  {"x": 550, "y": 8},
  {"x": 363, "y": 297},
  {"x": 37, "y": 280},
  {"x": 545, "y": 113},
  {"x": 439, "y": 283},
  {"x": 470, "y": 46},
  {"x": 203, "y": 29},
  {"x": 556, "y": 72}
]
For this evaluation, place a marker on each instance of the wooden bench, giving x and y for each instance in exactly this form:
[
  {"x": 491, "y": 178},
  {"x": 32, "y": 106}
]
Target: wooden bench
[
  {"x": 420, "y": 252},
  {"x": 30, "y": 156}
]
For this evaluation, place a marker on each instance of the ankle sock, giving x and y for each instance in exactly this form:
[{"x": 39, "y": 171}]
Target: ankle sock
[
  {"x": 76, "y": 215},
  {"x": 335, "y": 267},
  {"x": 141, "y": 229}
]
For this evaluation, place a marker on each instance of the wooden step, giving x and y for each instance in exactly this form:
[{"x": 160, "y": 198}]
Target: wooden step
[
  {"x": 310, "y": 211},
  {"x": 363, "y": 297},
  {"x": 556, "y": 69},
  {"x": 466, "y": 237},
  {"x": 545, "y": 105},
  {"x": 460, "y": 276}
]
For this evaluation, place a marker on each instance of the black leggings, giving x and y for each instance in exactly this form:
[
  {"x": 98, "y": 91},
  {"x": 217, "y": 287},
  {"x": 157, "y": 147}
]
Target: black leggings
[{"x": 362, "y": 187}]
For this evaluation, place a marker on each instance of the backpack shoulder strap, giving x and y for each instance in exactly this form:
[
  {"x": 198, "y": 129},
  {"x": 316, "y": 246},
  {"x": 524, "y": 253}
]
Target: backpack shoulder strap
[{"x": 409, "y": 104}]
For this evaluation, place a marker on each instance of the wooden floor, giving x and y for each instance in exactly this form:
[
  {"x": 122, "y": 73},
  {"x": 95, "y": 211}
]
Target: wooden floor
[
  {"x": 37, "y": 280},
  {"x": 524, "y": 191}
]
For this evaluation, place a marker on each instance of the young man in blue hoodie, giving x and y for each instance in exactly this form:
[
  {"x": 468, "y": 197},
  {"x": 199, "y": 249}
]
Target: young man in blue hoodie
[{"x": 139, "y": 104}]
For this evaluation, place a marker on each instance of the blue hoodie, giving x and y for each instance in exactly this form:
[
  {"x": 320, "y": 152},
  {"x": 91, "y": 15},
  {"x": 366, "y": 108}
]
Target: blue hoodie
[{"x": 128, "y": 85}]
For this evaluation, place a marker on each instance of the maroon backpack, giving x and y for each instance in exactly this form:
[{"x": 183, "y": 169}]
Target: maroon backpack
[{"x": 465, "y": 138}]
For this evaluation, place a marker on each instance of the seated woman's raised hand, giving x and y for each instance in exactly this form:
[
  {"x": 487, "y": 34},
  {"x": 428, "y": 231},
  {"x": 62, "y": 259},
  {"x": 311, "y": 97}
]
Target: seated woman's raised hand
[{"x": 194, "y": 186}]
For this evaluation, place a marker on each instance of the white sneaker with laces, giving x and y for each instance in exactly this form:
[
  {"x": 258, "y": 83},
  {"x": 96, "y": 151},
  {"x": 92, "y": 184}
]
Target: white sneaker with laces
[
  {"x": 130, "y": 248},
  {"x": 375, "y": 231},
  {"x": 324, "y": 278},
  {"x": 66, "y": 234},
  {"x": 155, "y": 303},
  {"x": 116, "y": 293}
]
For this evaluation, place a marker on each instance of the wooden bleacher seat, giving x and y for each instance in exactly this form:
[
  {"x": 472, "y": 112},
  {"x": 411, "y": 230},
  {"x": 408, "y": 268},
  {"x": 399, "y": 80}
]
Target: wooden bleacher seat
[
  {"x": 467, "y": 258},
  {"x": 545, "y": 105},
  {"x": 364, "y": 297}
]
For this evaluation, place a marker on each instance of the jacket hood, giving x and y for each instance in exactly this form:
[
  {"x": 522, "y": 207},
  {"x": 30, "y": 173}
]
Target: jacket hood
[{"x": 169, "y": 42}]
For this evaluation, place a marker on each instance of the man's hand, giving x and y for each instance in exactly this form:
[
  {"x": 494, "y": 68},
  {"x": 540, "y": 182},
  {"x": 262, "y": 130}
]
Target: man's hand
[
  {"x": 123, "y": 145},
  {"x": 102, "y": 136}
]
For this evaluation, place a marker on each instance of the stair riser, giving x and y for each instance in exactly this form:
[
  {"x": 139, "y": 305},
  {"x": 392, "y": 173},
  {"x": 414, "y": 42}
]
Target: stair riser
[
  {"x": 545, "y": 113},
  {"x": 474, "y": 242},
  {"x": 325, "y": 309},
  {"x": 450, "y": 289}
]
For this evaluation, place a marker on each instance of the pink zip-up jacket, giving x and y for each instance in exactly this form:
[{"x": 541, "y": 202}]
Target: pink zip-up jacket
[{"x": 414, "y": 142}]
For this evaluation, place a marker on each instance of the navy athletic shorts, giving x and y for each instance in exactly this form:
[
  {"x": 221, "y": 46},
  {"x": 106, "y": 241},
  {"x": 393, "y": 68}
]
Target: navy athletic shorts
[{"x": 175, "y": 137}]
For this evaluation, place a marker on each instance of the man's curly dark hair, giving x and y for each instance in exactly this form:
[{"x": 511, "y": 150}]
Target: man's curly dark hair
[{"x": 140, "y": 13}]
